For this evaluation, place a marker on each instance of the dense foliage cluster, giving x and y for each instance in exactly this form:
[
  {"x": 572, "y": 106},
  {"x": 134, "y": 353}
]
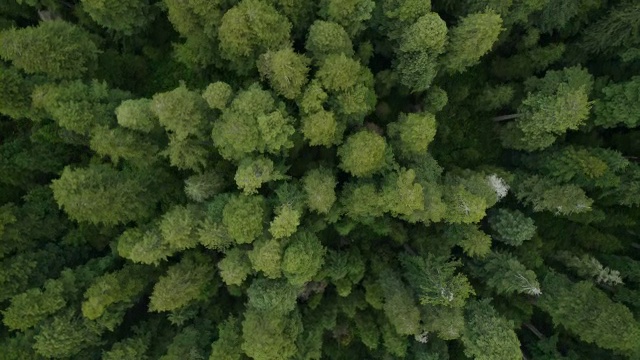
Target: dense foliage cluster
[{"x": 333, "y": 179}]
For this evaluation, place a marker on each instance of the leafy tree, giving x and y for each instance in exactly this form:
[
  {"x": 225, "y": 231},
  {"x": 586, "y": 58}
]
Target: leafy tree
[
  {"x": 345, "y": 86},
  {"x": 228, "y": 344},
  {"x": 235, "y": 267},
  {"x": 121, "y": 288},
  {"x": 252, "y": 174},
  {"x": 201, "y": 187},
  {"x": 144, "y": 245},
  {"x": 322, "y": 128},
  {"x": 189, "y": 280},
  {"x": 363, "y": 154},
  {"x": 266, "y": 256},
  {"x": 414, "y": 133},
  {"x": 473, "y": 37},
  {"x": 218, "y": 95},
  {"x": 100, "y": 194},
  {"x": 285, "y": 70},
  {"x": 613, "y": 31},
  {"x": 285, "y": 223},
  {"x": 55, "y": 48},
  {"x": 268, "y": 336},
  {"x": 558, "y": 102},
  {"x": 15, "y": 94},
  {"x": 253, "y": 122},
  {"x": 436, "y": 281},
  {"x": 616, "y": 104},
  {"x": 399, "y": 306},
  {"x": 126, "y": 17},
  {"x": 302, "y": 258},
  {"x": 34, "y": 305},
  {"x": 506, "y": 275},
  {"x": 345, "y": 269},
  {"x": 272, "y": 296},
  {"x": 136, "y": 115},
  {"x": 473, "y": 241},
  {"x": 487, "y": 335},
  {"x": 362, "y": 202},
  {"x": 249, "y": 29},
  {"x": 179, "y": 226},
  {"x": 78, "y": 106},
  {"x": 122, "y": 144},
  {"x": 351, "y": 14},
  {"x": 403, "y": 195},
  {"x": 326, "y": 38},
  {"x": 66, "y": 335},
  {"x": 511, "y": 227},
  {"x": 181, "y": 112},
  {"x": 319, "y": 187},
  {"x": 131, "y": 348},
  {"x": 243, "y": 218},
  {"x": 589, "y": 313},
  {"x": 421, "y": 44},
  {"x": 543, "y": 194},
  {"x": 191, "y": 340}
]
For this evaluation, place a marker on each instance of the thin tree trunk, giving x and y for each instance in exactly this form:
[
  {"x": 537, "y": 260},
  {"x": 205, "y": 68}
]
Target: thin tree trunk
[
  {"x": 535, "y": 331},
  {"x": 506, "y": 117},
  {"x": 410, "y": 250}
]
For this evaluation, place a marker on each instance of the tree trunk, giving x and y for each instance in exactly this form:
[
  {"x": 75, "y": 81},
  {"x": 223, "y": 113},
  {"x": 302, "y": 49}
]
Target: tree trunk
[
  {"x": 534, "y": 330},
  {"x": 506, "y": 117}
]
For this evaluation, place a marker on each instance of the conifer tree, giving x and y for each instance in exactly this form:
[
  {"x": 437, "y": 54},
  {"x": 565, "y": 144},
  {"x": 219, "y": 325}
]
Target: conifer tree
[
  {"x": 617, "y": 103},
  {"x": 100, "y": 194},
  {"x": 557, "y": 103},
  {"x": 79, "y": 106},
  {"x": 250, "y": 29},
  {"x": 589, "y": 313},
  {"x": 302, "y": 258},
  {"x": 473, "y": 37},
  {"x": 487, "y": 335},
  {"x": 189, "y": 280},
  {"x": 326, "y": 38},
  {"x": 285, "y": 70},
  {"x": 126, "y": 17},
  {"x": 57, "y": 48},
  {"x": 363, "y": 154}
]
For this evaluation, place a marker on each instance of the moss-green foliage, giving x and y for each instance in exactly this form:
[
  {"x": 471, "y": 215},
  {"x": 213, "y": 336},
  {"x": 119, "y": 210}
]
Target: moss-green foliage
[
  {"x": 243, "y": 217},
  {"x": 326, "y": 38},
  {"x": 59, "y": 49},
  {"x": 103, "y": 194},
  {"x": 249, "y": 29},
  {"x": 127, "y": 17},
  {"x": 473, "y": 37},
  {"x": 302, "y": 258},
  {"x": 189, "y": 280},
  {"x": 511, "y": 227},
  {"x": 556, "y": 103},
  {"x": 487, "y": 335},
  {"x": 333, "y": 179},
  {"x": 363, "y": 154}
]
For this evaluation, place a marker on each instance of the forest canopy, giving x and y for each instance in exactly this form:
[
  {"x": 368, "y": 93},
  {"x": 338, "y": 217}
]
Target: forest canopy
[{"x": 333, "y": 179}]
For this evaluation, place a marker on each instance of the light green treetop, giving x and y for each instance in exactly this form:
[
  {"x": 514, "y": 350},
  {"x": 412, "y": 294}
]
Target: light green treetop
[
  {"x": 363, "y": 154},
  {"x": 55, "y": 48}
]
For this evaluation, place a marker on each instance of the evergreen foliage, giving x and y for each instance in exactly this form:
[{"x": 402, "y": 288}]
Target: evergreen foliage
[{"x": 333, "y": 179}]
